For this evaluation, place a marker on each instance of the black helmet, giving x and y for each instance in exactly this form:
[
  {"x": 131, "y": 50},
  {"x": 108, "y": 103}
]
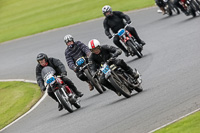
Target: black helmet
[{"x": 41, "y": 56}]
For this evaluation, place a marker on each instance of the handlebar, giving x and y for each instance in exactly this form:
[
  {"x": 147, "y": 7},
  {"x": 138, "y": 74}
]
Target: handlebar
[{"x": 117, "y": 33}]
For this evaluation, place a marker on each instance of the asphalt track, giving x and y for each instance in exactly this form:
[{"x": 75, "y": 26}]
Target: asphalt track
[{"x": 169, "y": 68}]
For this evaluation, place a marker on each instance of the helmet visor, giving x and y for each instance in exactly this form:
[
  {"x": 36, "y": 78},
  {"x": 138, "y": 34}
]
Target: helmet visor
[{"x": 94, "y": 50}]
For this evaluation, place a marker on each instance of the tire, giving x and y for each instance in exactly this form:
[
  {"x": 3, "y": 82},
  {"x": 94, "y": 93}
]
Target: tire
[
  {"x": 64, "y": 101},
  {"x": 119, "y": 85},
  {"x": 95, "y": 82},
  {"x": 174, "y": 8},
  {"x": 197, "y": 6},
  {"x": 192, "y": 10},
  {"x": 169, "y": 11},
  {"x": 138, "y": 53}
]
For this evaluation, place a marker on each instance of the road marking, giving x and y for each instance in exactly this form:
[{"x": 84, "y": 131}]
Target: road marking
[
  {"x": 174, "y": 120},
  {"x": 29, "y": 81}
]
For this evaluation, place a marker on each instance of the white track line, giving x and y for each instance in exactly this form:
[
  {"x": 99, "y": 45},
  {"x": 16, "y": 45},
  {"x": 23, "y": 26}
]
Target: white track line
[
  {"x": 29, "y": 81},
  {"x": 174, "y": 120}
]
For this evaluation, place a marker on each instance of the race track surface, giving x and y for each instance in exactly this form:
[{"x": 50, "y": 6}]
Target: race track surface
[{"x": 169, "y": 68}]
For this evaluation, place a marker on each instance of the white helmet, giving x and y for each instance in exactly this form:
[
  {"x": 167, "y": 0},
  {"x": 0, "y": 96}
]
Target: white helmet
[
  {"x": 68, "y": 38},
  {"x": 93, "y": 44},
  {"x": 106, "y": 8}
]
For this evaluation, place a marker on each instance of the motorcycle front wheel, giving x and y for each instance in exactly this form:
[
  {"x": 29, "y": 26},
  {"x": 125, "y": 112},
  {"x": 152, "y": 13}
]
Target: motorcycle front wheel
[
  {"x": 135, "y": 50},
  {"x": 94, "y": 81},
  {"x": 64, "y": 101},
  {"x": 118, "y": 84}
]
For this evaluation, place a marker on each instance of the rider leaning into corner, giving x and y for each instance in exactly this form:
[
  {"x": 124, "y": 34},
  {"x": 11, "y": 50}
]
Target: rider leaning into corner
[
  {"x": 59, "y": 67},
  {"x": 102, "y": 53},
  {"x": 114, "y": 20},
  {"x": 75, "y": 50}
]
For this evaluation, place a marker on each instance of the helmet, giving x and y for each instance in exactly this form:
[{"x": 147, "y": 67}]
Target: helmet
[
  {"x": 41, "y": 56},
  {"x": 93, "y": 44},
  {"x": 68, "y": 38},
  {"x": 106, "y": 8}
]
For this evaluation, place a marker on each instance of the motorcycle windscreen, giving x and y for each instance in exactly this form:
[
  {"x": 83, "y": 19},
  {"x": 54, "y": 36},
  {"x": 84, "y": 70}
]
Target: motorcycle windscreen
[{"x": 47, "y": 71}]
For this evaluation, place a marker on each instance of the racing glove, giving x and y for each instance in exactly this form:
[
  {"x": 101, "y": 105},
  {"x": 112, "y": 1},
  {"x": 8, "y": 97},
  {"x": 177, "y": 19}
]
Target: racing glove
[
  {"x": 43, "y": 88},
  {"x": 128, "y": 22}
]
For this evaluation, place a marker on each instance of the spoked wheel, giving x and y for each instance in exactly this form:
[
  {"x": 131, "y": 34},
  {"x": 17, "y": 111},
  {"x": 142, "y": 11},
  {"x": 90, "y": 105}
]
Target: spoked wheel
[
  {"x": 134, "y": 49},
  {"x": 94, "y": 81},
  {"x": 169, "y": 11},
  {"x": 64, "y": 101},
  {"x": 119, "y": 85}
]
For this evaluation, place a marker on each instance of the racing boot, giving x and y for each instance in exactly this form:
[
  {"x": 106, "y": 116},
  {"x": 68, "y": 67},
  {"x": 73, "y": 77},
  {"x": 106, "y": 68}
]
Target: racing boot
[
  {"x": 142, "y": 42},
  {"x": 60, "y": 107},
  {"x": 78, "y": 93},
  {"x": 133, "y": 74},
  {"x": 91, "y": 87}
]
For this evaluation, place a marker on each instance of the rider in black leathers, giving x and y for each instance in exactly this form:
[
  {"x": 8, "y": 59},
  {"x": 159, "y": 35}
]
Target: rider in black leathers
[
  {"x": 100, "y": 54},
  {"x": 114, "y": 20},
  {"x": 59, "y": 67}
]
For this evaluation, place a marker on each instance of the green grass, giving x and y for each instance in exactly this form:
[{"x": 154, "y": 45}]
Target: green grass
[
  {"x": 20, "y": 18},
  {"x": 16, "y": 98},
  {"x": 190, "y": 124}
]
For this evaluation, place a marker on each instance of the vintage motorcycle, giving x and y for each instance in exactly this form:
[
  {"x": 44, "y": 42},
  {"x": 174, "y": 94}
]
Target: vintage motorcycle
[
  {"x": 190, "y": 6},
  {"x": 84, "y": 67},
  {"x": 64, "y": 94},
  {"x": 120, "y": 80},
  {"x": 130, "y": 43}
]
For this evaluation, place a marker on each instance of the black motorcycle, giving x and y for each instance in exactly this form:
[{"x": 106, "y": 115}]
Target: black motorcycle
[
  {"x": 122, "y": 82},
  {"x": 64, "y": 94},
  {"x": 83, "y": 66}
]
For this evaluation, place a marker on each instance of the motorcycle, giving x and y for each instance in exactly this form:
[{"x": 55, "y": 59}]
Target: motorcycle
[
  {"x": 170, "y": 7},
  {"x": 128, "y": 40},
  {"x": 64, "y": 94},
  {"x": 120, "y": 80},
  {"x": 84, "y": 67},
  {"x": 190, "y": 6}
]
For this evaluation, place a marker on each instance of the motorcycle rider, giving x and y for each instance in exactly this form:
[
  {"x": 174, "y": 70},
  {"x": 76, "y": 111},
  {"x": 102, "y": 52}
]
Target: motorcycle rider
[
  {"x": 102, "y": 53},
  {"x": 75, "y": 50},
  {"x": 59, "y": 67},
  {"x": 114, "y": 20}
]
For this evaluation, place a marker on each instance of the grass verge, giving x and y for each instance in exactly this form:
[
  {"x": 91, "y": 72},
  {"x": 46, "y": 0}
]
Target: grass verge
[
  {"x": 16, "y": 98},
  {"x": 190, "y": 124},
  {"x": 26, "y": 17}
]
